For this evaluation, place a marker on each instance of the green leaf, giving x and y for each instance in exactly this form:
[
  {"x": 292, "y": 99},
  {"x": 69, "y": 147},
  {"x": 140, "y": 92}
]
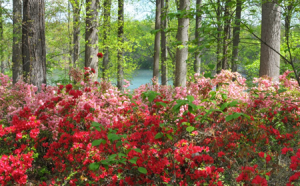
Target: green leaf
[
  {"x": 138, "y": 150},
  {"x": 207, "y": 75},
  {"x": 142, "y": 170},
  {"x": 119, "y": 143},
  {"x": 121, "y": 155},
  {"x": 233, "y": 103},
  {"x": 98, "y": 142},
  {"x": 113, "y": 137},
  {"x": 151, "y": 95},
  {"x": 228, "y": 118},
  {"x": 190, "y": 98},
  {"x": 161, "y": 103},
  {"x": 190, "y": 129},
  {"x": 237, "y": 114},
  {"x": 233, "y": 116},
  {"x": 112, "y": 157},
  {"x": 105, "y": 162},
  {"x": 224, "y": 96},
  {"x": 223, "y": 106},
  {"x": 159, "y": 135},
  {"x": 95, "y": 124},
  {"x": 281, "y": 90},
  {"x": 98, "y": 128},
  {"x": 133, "y": 160},
  {"x": 211, "y": 67},
  {"x": 169, "y": 136},
  {"x": 94, "y": 166}
]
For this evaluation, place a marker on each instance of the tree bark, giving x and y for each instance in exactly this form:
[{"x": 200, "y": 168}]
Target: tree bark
[
  {"x": 120, "y": 75},
  {"x": 76, "y": 30},
  {"x": 270, "y": 34},
  {"x": 107, "y": 9},
  {"x": 197, "y": 62},
  {"x": 164, "y": 50},
  {"x": 33, "y": 42},
  {"x": 1, "y": 38},
  {"x": 236, "y": 36},
  {"x": 182, "y": 51},
  {"x": 219, "y": 29},
  {"x": 91, "y": 36},
  {"x": 157, "y": 39},
  {"x": 70, "y": 38},
  {"x": 226, "y": 35}
]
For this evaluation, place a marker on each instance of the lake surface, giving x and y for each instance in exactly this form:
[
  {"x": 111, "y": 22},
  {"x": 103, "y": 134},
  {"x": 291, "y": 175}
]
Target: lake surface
[{"x": 140, "y": 77}]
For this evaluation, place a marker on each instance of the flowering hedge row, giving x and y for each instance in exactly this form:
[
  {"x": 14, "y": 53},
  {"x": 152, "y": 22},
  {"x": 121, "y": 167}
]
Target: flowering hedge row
[{"x": 91, "y": 134}]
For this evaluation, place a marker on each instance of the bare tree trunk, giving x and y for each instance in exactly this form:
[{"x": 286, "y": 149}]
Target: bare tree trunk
[
  {"x": 107, "y": 8},
  {"x": 182, "y": 52},
  {"x": 33, "y": 42},
  {"x": 120, "y": 75},
  {"x": 17, "y": 65},
  {"x": 236, "y": 36},
  {"x": 1, "y": 38},
  {"x": 197, "y": 63},
  {"x": 157, "y": 39},
  {"x": 270, "y": 34},
  {"x": 219, "y": 29},
  {"x": 76, "y": 30},
  {"x": 91, "y": 36},
  {"x": 164, "y": 50},
  {"x": 226, "y": 35},
  {"x": 70, "y": 38}
]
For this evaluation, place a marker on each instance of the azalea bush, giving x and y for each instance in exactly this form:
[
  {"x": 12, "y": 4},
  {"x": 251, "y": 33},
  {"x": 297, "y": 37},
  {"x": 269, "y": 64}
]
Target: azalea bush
[{"x": 90, "y": 133}]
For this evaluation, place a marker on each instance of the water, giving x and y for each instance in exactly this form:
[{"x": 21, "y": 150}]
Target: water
[{"x": 140, "y": 77}]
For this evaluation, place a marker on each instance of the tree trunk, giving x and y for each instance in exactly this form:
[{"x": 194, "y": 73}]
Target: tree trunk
[
  {"x": 120, "y": 75},
  {"x": 182, "y": 52},
  {"x": 157, "y": 39},
  {"x": 70, "y": 38},
  {"x": 33, "y": 42},
  {"x": 1, "y": 38},
  {"x": 107, "y": 8},
  {"x": 236, "y": 36},
  {"x": 164, "y": 50},
  {"x": 17, "y": 65},
  {"x": 270, "y": 34},
  {"x": 197, "y": 63},
  {"x": 287, "y": 24},
  {"x": 226, "y": 35},
  {"x": 91, "y": 36},
  {"x": 219, "y": 29},
  {"x": 76, "y": 30}
]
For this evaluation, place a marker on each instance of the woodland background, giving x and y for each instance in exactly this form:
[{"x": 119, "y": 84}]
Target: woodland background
[{"x": 219, "y": 34}]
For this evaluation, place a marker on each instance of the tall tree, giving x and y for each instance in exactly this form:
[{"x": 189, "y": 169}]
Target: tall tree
[
  {"x": 157, "y": 39},
  {"x": 120, "y": 74},
  {"x": 91, "y": 35},
  {"x": 219, "y": 37},
  {"x": 226, "y": 33},
  {"x": 70, "y": 38},
  {"x": 1, "y": 38},
  {"x": 164, "y": 50},
  {"x": 197, "y": 62},
  {"x": 107, "y": 9},
  {"x": 236, "y": 35},
  {"x": 182, "y": 51},
  {"x": 270, "y": 36},
  {"x": 76, "y": 4},
  {"x": 33, "y": 42}
]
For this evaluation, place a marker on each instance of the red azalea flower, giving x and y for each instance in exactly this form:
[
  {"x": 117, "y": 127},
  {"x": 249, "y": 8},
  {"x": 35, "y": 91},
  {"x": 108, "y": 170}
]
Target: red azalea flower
[{"x": 100, "y": 55}]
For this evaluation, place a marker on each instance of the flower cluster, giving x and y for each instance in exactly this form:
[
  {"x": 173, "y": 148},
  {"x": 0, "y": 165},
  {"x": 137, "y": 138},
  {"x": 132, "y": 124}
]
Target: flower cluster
[{"x": 90, "y": 133}]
